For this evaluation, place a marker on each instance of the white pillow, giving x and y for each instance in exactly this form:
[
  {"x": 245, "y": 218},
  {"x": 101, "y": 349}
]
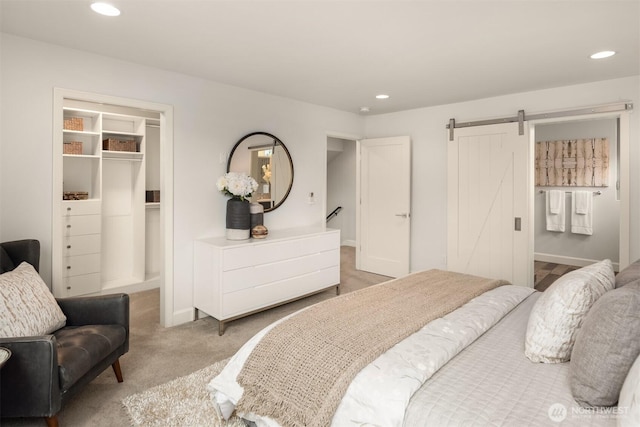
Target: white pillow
[
  {"x": 629, "y": 403},
  {"x": 27, "y": 308},
  {"x": 557, "y": 315}
]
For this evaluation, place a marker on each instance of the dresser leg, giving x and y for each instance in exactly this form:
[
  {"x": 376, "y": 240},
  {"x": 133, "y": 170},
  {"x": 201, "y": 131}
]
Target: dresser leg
[
  {"x": 221, "y": 326},
  {"x": 338, "y": 289}
]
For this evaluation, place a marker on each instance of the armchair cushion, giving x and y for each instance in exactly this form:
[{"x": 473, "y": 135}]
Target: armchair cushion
[
  {"x": 27, "y": 307},
  {"x": 80, "y": 348}
]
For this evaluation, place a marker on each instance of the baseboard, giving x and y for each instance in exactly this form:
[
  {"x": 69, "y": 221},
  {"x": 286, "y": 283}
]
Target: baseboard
[
  {"x": 182, "y": 316},
  {"x": 134, "y": 287},
  {"x": 566, "y": 260},
  {"x": 349, "y": 243}
]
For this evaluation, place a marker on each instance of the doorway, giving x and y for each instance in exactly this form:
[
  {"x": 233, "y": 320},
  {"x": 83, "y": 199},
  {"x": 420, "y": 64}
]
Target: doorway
[
  {"x": 341, "y": 188},
  {"x": 569, "y": 248}
]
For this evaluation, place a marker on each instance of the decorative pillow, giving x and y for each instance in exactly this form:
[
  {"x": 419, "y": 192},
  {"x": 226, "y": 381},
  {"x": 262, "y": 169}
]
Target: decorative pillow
[
  {"x": 629, "y": 403},
  {"x": 557, "y": 315},
  {"x": 630, "y": 274},
  {"x": 606, "y": 346},
  {"x": 27, "y": 308},
  {"x": 6, "y": 264}
]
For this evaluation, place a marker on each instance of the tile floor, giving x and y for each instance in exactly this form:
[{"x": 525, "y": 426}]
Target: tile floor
[{"x": 548, "y": 272}]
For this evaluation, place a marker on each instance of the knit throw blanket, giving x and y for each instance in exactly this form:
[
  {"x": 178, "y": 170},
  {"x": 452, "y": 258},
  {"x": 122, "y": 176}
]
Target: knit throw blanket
[{"x": 298, "y": 373}]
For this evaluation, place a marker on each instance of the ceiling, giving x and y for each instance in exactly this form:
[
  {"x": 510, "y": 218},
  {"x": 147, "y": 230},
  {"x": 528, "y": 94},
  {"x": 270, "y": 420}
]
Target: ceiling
[{"x": 340, "y": 54}]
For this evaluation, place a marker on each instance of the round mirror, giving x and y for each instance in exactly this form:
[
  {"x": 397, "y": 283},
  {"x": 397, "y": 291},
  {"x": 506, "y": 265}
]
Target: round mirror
[{"x": 265, "y": 158}]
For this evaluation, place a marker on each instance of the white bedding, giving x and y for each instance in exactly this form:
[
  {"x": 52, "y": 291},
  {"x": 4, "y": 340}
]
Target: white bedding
[
  {"x": 492, "y": 383},
  {"x": 381, "y": 391}
]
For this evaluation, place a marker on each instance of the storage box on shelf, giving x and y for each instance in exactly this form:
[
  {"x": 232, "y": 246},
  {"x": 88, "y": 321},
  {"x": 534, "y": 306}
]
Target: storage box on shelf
[
  {"x": 152, "y": 196},
  {"x": 73, "y": 123},
  {"x": 75, "y": 195},
  {"x": 112, "y": 144},
  {"x": 72, "y": 147}
]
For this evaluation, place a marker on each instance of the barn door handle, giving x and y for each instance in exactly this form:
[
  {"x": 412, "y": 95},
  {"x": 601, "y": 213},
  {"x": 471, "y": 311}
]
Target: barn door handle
[{"x": 518, "y": 224}]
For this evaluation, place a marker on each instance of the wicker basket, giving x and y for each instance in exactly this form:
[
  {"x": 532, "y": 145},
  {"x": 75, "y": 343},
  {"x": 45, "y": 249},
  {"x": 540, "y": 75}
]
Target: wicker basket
[
  {"x": 111, "y": 144},
  {"x": 75, "y": 195},
  {"x": 73, "y": 123},
  {"x": 72, "y": 147}
]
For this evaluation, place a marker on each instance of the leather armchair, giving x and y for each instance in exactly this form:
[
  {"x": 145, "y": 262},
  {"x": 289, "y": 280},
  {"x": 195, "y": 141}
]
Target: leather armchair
[{"x": 44, "y": 372}]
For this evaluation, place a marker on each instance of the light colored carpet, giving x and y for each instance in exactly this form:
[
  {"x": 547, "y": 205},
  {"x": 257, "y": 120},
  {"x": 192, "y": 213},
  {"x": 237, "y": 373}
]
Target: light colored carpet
[{"x": 180, "y": 402}]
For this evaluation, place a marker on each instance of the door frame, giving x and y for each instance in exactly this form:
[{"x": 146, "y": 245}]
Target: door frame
[
  {"x": 166, "y": 181},
  {"x": 624, "y": 166}
]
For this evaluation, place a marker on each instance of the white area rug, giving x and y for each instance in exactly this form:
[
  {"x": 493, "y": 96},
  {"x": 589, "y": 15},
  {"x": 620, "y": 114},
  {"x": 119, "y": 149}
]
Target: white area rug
[{"x": 184, "y": 401}]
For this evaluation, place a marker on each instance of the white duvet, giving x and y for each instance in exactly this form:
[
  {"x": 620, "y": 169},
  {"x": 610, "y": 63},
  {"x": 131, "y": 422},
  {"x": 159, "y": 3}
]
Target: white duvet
[{"x": 380, "y": 393}]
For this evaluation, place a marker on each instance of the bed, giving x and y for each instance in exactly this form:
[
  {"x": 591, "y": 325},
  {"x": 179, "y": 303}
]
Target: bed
[{"x": 504, "y": 355}]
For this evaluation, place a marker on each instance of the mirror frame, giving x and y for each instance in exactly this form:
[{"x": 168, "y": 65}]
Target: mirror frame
[{"x": 286, "y": 151}]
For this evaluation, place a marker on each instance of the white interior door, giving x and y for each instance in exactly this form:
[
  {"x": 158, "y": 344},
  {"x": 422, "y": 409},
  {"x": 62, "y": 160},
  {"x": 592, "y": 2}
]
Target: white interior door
[
  {"x": 384, "y": 211},
  {"x": 489, "y": 230}
]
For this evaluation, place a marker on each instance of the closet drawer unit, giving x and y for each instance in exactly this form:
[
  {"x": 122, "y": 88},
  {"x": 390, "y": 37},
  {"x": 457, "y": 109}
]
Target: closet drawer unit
[
  {"x": 80, "y": 207},
  {"x": 82, "y": 285},
  {"x": 259, "y": 275},
  {"x": 80, "y": 265},
  {"x": 248, "y": 300},
  {"x": 81, "y": 224},
  {"x": 252, "y": 255},
  {"x": 81, "y": 245}
]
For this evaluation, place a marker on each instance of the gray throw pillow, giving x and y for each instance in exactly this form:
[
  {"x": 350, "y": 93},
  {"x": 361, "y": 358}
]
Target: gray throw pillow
[
  {"x": 5, "y": 261},
  {"x": 606, "y": 346},
  {"x": 629, "y": 274}
]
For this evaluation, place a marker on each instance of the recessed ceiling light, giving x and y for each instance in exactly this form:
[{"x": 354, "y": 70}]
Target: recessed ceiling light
[
  {"x": 603, "y": 54},
  {"x": 382, "y": 96},
  {"x": 364, "y": 109},
  {"x": 105, "y": 9}
]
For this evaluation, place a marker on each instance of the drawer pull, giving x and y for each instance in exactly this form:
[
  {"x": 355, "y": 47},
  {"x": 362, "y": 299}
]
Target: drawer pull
[
  {"x": 68, "y": 209},
  {"x": 68, "y": 288},
  {"x": 68, "y": 267},
  {"x": 68, "y": 225},
  {"x": 68, "y": 246}
]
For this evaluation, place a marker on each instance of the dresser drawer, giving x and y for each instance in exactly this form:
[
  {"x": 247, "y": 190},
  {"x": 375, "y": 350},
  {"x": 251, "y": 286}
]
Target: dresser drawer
[
  {"x": 268, "y": 252},
  {"x": 80, "y": 207},
  {"x": 80, "y": 264},
  {"x": 81, "y": 224},
  {"x": 247, "y": 300},
  {"x": 81, "y": 245},
  {"x": 83, "y": 284},
  {"x": 249, "y": 277}
]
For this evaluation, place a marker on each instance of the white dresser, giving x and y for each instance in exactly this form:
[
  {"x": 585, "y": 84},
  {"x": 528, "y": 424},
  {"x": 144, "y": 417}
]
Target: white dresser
[
  {"x": 81, "y": 247},
  {"x": 233, "y": 279}
]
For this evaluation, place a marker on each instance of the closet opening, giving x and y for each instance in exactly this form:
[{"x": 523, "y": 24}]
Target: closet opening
[{"x": 112, "y": 197}]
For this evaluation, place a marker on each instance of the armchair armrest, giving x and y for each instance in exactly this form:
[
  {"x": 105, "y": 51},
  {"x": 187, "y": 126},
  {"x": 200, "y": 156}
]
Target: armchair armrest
[
  {"x": 99, "y": 310},
  {"x": 29, "y": 380}
]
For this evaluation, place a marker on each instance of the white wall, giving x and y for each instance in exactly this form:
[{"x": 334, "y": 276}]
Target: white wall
[
  {"x": 341, "y": 189},
  {"x": 581, "y": 249},
  {"x": 208, "y": 119},
  {"x": 426, "y": 126}
]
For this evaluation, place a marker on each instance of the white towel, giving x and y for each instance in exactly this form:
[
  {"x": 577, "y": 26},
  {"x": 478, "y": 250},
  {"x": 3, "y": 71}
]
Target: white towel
[
  {"x": 555, "y": 220},
  {"x": 582, "y": 212}
]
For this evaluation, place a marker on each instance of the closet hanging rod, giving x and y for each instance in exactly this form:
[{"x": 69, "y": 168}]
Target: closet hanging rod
[{"x": 595, "y": 193}]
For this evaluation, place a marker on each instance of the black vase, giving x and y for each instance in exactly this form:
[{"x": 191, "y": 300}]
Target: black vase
[{"x": 238, "y": 219}]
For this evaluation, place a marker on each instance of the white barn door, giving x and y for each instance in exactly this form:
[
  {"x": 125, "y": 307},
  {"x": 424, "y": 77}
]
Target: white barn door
[
  {"x": 488, "y": 203},
  {"x": 384, "y": 212}
]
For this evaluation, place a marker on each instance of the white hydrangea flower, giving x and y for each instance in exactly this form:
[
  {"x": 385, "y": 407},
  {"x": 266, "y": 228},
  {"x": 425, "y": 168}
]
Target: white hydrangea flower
[{"x": 237, "y": 184}]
